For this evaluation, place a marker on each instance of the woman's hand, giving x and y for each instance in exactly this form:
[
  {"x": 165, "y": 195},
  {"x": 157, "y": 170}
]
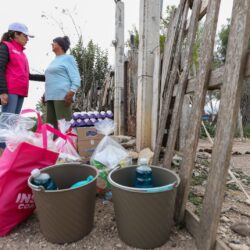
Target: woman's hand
[
  {"x": 68, "y": 99},
  {"x": 4, "y": 99}
]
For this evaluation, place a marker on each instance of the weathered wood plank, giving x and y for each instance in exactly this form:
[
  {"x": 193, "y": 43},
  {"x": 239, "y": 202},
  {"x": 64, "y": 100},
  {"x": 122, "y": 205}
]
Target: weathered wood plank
[
  {"x": 184, "y": 121},
  {"x": 119, "y": 69},
  {"x": 132, "y": 90},
  {"x": 203, "y": 10},
  {"x": 215, "y": 78},
  {"x": 156, "y": 94},
  {"x": 227, "y": 117},
  {"x": 189, "y": 152},
  {"x": 175, "y": 120},
  {"x": 192, "y": 223},
  {"x": 149, "y": 40},
  {"x": 172, "y": 71}
]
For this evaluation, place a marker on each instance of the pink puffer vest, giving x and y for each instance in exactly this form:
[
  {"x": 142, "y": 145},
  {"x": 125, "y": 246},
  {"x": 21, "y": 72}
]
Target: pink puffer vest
[{"x": 17, "y": 70}]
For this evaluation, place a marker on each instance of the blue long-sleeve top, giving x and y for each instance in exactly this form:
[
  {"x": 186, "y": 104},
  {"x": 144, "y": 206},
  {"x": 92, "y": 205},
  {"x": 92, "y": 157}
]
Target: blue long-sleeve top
[{"x": 62, "y": 75}]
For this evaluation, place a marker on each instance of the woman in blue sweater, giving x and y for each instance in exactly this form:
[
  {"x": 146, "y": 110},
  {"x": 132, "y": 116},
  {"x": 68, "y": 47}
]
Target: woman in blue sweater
[{"x": 62, "y": 79}]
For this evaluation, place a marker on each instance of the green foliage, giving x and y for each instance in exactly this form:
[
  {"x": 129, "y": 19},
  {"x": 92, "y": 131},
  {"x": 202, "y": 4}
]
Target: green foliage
[
  {"x": 246, "y": 130},
  {"x": 40, "y": 107},
  {"x": 210, "y": 128},
  {"x": 200, "y": 178},
  {"x": 169, "y": 12},
  {"x": 197, "y": 45},
  {"x": 222, "y": 41},
  {"x": 93, "y": 66},
  {"x": 197, "y": 201},
  {"x": 133, "y": 42}
]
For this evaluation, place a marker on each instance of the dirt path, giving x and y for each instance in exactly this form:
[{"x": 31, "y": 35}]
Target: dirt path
[
  {"x": 104, "y": 236},
  {"x": 27, "y": 236}
]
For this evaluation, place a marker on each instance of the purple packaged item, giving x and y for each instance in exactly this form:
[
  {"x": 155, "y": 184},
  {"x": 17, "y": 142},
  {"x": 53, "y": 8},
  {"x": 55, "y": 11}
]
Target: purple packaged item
[
  {"x": 84, "y": 115},
  {"x": 91, "y": 114},
  {"x": 97, "y": 114},
  {"x": 109, "y": 114},
  {"x": 78, "y": 122},
  {"x": 93, "y": 120},
  {"x": 76, "y": 115},
  {"x": 103, "y": 114},
  {"x": 88, "y": 122}
]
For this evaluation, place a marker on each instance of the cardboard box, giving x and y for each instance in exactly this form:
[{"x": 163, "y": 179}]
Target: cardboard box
[
  {"x": 87, "y": 147},
  {"x": 87, "y": 133}
]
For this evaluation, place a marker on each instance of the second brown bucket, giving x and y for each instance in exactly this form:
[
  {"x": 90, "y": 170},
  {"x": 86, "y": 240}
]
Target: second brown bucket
[
  {"x": 66, "y": 215},
  {"x": 144, "y": 218}
]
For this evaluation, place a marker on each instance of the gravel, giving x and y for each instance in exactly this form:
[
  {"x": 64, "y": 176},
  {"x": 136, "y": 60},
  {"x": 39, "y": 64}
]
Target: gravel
[{"x": 103, "y": 236}]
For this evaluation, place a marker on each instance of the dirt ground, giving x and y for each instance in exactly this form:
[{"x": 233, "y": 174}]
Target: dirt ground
[{"x": 104, "y": 235}]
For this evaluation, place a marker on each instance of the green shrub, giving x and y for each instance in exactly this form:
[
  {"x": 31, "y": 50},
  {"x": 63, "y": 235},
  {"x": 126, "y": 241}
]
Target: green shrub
[
  {"x": 210, "y": 128},
  {"x": 246, "y": 130}
]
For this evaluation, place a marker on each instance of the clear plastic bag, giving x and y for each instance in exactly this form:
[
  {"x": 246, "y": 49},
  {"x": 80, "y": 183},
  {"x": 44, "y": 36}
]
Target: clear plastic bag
[
  {"x": 108, "y": 153},
  {"x": 66, "y": 148},
  {"x": 15, "y": 129}
]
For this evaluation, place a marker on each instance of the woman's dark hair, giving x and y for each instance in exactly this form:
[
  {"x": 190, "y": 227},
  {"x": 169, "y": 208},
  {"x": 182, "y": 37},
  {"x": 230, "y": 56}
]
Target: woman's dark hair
[
  {"x": 9, "y": 35},
  {"x": 63, "y": 42}
]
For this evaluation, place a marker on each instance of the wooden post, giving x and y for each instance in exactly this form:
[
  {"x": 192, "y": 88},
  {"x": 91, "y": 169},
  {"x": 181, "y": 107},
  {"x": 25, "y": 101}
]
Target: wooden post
[
  {"x": 149, "y": 40},
  {"x": 156, "y": 95},
  {"x": 132, "y": 90},
  {"x": 204, "y": 69},
  {"x": 228, "y": 111},
  {"x": 119, "y": 69}
]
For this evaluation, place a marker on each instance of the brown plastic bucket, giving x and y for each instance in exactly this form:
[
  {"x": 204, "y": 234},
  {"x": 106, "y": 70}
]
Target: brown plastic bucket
[
  {"x": 144, "y": 217},
  {"x": 67, "y": 214}
]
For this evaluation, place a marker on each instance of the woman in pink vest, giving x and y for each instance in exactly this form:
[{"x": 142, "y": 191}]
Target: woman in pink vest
[{"x": 14, "y": 69}]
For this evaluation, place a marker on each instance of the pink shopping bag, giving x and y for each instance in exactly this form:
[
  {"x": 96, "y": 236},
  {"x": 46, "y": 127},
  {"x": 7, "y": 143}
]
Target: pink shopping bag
[{"x": 16, "y": 200}]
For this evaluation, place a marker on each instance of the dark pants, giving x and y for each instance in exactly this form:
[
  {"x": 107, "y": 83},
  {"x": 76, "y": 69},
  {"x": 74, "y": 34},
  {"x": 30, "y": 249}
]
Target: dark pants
[
  {"x": 56, "y": 110},
  {"x": 15, "y": 103}
]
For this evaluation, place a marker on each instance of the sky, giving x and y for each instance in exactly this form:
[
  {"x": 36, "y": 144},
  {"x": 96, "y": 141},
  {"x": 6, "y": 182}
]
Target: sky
[{"x": 94, "y": 18}]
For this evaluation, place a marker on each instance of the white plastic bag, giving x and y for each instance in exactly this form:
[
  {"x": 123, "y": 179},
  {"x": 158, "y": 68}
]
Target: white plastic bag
[{"x": 108, "y": 152}]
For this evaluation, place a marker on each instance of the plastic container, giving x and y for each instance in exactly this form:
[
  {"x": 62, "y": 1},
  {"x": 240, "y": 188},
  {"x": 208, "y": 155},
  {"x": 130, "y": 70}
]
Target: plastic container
[
  {"x": 42, "y": 180},
  {"x": 67, "y": 214},
  {"x": 143, "y": 175},
  {"x": 144, "y": 216}
]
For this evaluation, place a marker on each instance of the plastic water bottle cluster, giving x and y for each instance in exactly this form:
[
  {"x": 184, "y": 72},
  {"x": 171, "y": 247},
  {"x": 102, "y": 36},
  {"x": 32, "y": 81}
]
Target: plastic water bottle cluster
[{"x": 88, "y": 119}]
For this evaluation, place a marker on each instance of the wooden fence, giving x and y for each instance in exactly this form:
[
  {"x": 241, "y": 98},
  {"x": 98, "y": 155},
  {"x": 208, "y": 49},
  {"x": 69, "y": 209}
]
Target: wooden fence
[{"x": 171, "y": 92}]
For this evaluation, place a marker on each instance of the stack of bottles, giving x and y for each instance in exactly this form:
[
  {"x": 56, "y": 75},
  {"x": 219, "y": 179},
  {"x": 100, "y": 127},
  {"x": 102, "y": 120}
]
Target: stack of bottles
[{"x": 88, "y": 119}]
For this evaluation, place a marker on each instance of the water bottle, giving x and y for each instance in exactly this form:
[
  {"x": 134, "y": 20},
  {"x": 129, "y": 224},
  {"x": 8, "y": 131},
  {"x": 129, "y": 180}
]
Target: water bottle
[
  {"x": 143, "y": 175},
  {"x": 43, "y": 179}
]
